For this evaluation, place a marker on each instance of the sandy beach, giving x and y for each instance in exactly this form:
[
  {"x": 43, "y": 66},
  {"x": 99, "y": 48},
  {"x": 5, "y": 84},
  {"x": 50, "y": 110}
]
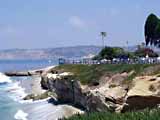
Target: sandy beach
[
  {"x": 43, "y": 110},
  {"x": 32, "y": 85}
]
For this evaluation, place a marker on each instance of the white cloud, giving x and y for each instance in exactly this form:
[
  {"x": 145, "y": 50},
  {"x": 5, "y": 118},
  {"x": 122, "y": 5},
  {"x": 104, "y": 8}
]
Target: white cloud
[{"x": 77, "y": 22}]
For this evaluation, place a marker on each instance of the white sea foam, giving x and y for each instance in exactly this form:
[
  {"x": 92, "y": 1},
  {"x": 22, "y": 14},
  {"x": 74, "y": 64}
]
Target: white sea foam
[
  {"x": 4, "y": 78},
  {"x": 20, "y": 115},
  {"x": 17, "y": 92},
  {"x": 31, "y": 101}
]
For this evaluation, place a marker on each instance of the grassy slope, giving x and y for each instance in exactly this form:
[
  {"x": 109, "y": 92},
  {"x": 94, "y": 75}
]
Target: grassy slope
[
  {"x": 89, "y": 74},
  {"x": 145, "y": 115}
]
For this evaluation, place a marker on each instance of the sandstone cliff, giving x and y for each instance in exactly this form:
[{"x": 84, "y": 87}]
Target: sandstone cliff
[
  {"x": 111, "y": 94},
  {"x": 100, "y": 98}
]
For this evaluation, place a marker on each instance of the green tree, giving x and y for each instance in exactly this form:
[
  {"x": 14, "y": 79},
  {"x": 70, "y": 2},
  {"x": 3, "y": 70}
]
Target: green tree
[
  {"x": 112, "y": 52},
  {"x": 157, "y": 35},
  {"x": 152, "y": 30}
]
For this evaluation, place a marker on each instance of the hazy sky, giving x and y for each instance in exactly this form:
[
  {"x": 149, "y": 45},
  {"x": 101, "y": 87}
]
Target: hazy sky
[{"x": 55, "y": 23}]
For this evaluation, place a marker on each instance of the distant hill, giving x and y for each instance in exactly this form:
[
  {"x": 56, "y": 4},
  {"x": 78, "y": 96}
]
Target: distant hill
[{"x": 49, "y": 53}]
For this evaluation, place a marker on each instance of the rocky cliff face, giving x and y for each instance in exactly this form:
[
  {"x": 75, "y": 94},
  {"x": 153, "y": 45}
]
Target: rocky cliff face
[
  {"x": 65, "y": 87},
  {"x": 91, "y": 98},
  {"x": 111, "y": 94}
]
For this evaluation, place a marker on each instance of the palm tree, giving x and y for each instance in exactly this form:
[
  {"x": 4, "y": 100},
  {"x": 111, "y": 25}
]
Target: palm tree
[{"x": 103, "y": 35}]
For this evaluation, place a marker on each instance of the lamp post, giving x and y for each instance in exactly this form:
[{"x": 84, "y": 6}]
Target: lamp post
[
  {"x": 127, "y": 45},
  {"x": 73, "y": 94}
]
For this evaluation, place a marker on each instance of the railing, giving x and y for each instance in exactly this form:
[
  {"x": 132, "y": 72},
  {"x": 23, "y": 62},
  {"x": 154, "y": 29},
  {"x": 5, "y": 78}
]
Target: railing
[{"x": 114, "y": 61}]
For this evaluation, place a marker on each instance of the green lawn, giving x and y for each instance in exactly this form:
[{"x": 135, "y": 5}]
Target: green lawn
[{"x": 90, "y": 74}]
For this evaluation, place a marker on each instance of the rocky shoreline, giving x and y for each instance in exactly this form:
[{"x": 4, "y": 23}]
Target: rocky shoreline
[
  {"x": 111, "y": 94},
  {"x": 29, "y": 72},
  {"x": 36, "y": 93}
]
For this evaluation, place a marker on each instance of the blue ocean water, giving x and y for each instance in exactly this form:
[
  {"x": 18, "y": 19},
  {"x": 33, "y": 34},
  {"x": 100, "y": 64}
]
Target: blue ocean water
[
  {"x": 9, "y": 100},
  {"x": 15, "y": 65}
]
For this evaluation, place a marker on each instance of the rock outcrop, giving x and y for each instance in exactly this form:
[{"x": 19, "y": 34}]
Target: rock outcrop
[
  {"x": 100, "y": 98},
  {"x": 29, "y": 73},
  {"x": 144, "y": 94},
  {"x": 111, "y": 94},
  {"x": 65, "y": 87}
]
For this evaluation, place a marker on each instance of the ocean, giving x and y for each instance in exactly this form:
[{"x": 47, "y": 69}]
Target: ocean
[{"x": 12, "y": 107}]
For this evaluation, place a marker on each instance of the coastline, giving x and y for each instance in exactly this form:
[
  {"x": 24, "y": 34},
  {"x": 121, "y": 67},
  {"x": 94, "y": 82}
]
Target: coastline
[
  {"x": 32, "y": 86},
  {"x": 49, "y": 110}
]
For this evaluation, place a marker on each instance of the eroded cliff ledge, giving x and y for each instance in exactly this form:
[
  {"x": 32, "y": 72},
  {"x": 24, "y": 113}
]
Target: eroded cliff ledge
[{"x": 127, "y": 88}]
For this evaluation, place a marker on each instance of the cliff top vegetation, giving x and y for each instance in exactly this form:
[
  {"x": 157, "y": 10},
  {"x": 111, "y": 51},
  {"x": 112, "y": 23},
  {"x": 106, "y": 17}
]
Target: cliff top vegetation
[{"x": 91, "y": 74}]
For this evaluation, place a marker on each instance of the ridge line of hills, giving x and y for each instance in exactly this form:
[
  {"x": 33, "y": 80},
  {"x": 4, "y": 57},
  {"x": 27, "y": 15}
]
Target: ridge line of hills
[{"x": 51, "y": 53}]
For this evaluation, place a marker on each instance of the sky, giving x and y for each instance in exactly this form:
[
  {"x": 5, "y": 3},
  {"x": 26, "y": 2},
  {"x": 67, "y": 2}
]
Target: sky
[{"x": 59, "y": 23}]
